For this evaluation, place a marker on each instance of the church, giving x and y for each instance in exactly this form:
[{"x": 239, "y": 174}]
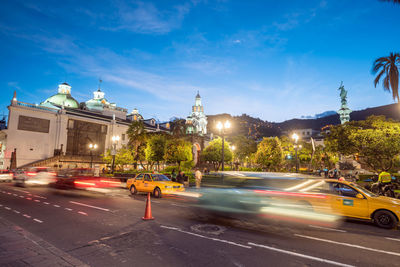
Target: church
[
  {"x": 197, "y": 121},
  {"x": 58, "y": 131}
]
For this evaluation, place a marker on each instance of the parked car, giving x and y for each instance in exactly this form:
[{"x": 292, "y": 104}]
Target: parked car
[
  {"x": 6, "y": 176},
  {"x": 35, "y": 176}
]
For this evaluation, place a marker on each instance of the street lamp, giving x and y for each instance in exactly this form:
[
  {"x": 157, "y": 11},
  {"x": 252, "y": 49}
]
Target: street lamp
[
  {"x": 233, "y": 149},
  {"x": 295, "y": 137},
  {"x": 91, "y": 148},
  {"x": 115, "y": 140},
  {"x": 222, "y": 127}
]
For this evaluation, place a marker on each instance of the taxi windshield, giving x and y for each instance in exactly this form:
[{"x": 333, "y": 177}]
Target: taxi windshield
[
  {"x": 362, "y": 189},
  {"x": 160, "y": 177}
]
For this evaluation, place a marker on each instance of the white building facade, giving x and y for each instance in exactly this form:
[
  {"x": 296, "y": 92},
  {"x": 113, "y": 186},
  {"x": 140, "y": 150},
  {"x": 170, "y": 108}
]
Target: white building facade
[{"x": 197, "y": 120}]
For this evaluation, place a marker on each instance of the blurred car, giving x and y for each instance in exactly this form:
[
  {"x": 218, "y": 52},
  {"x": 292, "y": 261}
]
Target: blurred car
[
  {"x": 298, "y": 198},
  {"x": 157, "y": 184},
  {"x": 6, "y": 176},
  {"x": 83, "y": 178},
  {"x": 35, "y": 176}
]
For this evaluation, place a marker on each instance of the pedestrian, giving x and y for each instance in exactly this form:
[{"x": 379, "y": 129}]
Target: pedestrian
[
  {"x": 180, "y": 178},
  {"x": 198, "y": 177},
  {"x": 173, "y": 175}
]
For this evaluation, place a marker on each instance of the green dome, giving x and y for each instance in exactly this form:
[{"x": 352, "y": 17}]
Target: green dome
[{"x": 65, "y": 100}]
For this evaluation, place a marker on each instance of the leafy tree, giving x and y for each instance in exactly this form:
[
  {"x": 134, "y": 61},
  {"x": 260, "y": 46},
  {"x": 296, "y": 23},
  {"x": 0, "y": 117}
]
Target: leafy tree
[
  {"x": 269, "y": 153},
  {"x": 244, "y": 147},
  {"x": 375, "y": 141},
  {"x": 137, "y": 142},
  {"x": 122, "y": 157},
  {"x": 388, "y": 68},
  {"x": 213, "y": 153},
  {"x": 155, "y": 149},
  {"x": 178, "y": 150},
  {"x": 178, "y": 127}
]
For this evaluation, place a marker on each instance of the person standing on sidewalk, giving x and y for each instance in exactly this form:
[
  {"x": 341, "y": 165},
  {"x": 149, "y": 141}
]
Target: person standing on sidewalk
[{"x": 198, "y": 177}]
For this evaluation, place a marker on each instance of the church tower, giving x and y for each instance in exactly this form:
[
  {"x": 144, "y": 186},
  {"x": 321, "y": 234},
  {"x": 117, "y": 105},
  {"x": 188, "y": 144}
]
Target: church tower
[{"x": 197, "y": 121}]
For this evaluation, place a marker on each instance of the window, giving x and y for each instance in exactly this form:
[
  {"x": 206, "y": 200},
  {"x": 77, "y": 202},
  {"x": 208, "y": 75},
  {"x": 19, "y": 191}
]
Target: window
[
  {"x": 343, "y": 190},
  {"x": 147, "y": 178},
  {"x": 139, "y": 177},
  {"x": 160, "y": 177}
]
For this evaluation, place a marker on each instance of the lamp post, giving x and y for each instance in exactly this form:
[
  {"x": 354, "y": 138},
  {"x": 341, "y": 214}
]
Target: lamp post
[
  {"x": 115, "y": 140},
  {"x": 233, "y": 149},
  {"x": 91, "y": 148},
  {"x": 295, "y": 137},
  {"x": 222, "y": 127}
]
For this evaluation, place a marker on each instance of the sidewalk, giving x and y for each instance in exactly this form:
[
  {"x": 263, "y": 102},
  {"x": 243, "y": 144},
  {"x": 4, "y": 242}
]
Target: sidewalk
[{"x": 18, "y": 247}]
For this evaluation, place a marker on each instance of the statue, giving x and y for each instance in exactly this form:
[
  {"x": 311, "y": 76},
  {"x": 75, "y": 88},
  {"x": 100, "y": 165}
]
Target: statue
[
  {"x": 344, "y": 111},
  {"x": 343, "y": 94}
]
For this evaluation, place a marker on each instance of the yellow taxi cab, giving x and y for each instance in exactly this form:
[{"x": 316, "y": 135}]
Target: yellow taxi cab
[
  {"x": 157, "y": 184},
  {"x": 348, "y": 199}
]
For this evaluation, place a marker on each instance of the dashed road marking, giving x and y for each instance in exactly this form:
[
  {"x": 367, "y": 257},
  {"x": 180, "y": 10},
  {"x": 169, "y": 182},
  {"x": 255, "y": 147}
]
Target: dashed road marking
[
  {"x": 16, "y": 211},
  {"x": 21, "y": 196},
  {"x": 394, "y": 239},
  {"x": 7, "y": 208},
  {"x": 349, "y": 245},
  {"x": 47, "y": 203},
  {"x": 26, "y": 215},
  {"x": 205, "y": 237},
  {"x": 37, "y": 220},
  {"x": 57, "y": 206},
  {"x": 300, "y": 255},
  {"x": 90, "y": 206},
  {"x": 326, "y": 228},
  {"x": 28, "y": 198},
  {"x": 83, "y": 213},
  {"x": 15, "y": 195},
  {"x": 37, "y": 200},
  {"x": 1, "y": 205},
  {"x": 68, "y": 209}
]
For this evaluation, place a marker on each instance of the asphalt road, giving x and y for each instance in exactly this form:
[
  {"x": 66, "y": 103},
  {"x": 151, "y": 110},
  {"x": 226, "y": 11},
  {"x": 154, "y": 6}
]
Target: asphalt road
[{"x": 107, "y": 230}]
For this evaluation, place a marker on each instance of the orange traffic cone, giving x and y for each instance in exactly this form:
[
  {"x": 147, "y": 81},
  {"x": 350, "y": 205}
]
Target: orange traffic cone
[{"x": 147, "y": 212}]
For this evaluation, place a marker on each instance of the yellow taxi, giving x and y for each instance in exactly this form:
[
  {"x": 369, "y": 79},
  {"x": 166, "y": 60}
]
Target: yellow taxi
[
  {"x": 157, "y": 184},
  {"x": 351, "y": 200}
]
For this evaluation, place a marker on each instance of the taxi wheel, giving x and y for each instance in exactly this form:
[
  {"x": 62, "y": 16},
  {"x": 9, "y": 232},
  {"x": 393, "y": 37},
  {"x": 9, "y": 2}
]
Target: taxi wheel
[
  {"x": 157, "y": 193},
  {"x": 133, "y": 190},
  {"x": 385, "y": 219}
]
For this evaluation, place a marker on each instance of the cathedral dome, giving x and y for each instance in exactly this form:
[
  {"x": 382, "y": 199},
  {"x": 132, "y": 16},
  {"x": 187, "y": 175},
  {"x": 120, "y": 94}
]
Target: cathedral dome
[{"x": 62, "y": 98}]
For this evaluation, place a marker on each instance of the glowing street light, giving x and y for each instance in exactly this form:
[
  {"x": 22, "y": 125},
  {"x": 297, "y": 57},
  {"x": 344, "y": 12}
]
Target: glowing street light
[
  {"x": 222, "y": 127},
  {"x": 91, "y": 148},
  {"x": 115, "y": 140},
  {"x": 295, "y": 137}
]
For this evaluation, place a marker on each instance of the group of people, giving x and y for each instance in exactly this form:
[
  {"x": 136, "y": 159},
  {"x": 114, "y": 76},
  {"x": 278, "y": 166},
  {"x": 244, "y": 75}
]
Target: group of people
[{"x": 183, "y": 179}]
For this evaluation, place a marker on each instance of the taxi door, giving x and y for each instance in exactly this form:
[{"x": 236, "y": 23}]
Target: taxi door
[
  {"x": 147, "y": 183},
  {"x": 138, "y": 182},
  {"x": 346, "y": 203}
]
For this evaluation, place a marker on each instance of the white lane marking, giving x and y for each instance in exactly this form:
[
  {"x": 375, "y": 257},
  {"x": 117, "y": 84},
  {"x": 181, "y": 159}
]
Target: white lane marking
[
  {"x": 40, "y": 196},
  {"x": 394, "y": 239},
  {"x": 21, "y": 196},
  {"x": 26, "y": 215},
  {"x": 56, "y": 206},
  {"x": 206, "y": 237},
  {"x": 9, "y": 193},
  {"x": 19, "y": 190},
  {"x": 300, "y": 255},
  {"x": 37, "y": 200},
  {"x": 90, "y": 206},
  {"x": 326, "y": 228},
  {"x": 7, "y": 208},
  {"x": 28, "y": 198},
  {"x": 349, "y": 245},
  {"x": 37, "y": 220},
  {"x": 178, "y": 205},
  {"x": 83, "y": 213},
  {"x": 15, "y": 195},
  {"x": 47, "y": 203},
  {"x": 68, "y": 209},
  {"x": 1, "y": 205},
  {"x": 16, "y": 211}
]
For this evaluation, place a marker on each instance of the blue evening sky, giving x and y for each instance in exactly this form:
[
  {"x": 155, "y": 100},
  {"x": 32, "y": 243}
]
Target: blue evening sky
[{"x": 270, "y": 59}]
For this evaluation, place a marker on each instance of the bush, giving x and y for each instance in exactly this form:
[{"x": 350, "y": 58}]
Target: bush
[{"x": 169, "y": 169}]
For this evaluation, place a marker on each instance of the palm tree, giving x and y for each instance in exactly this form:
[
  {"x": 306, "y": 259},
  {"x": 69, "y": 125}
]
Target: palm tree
[{"x": 388, "y": 67}]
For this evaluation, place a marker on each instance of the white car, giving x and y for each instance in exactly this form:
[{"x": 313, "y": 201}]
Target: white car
[
  {"x": 6, "y": 176},
  {"x": 35, "y": 176}
]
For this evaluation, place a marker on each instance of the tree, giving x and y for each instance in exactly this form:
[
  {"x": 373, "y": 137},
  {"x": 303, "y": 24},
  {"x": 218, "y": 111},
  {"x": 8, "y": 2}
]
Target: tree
[
  {"x": 137, "y": 142},
  {"x": 375, "y": 141},
  {"x": 269, "y": 153},
  {"x": 178, "y": 150},
  {"x": 155, "y": 149},
  {"x": 178, "y": 127},
  {"x": 213, "y": 153},
  {"x": 244, "y": 147},
  {"x": 122, "y": 157},
  {"x": 388, "y": 68}
]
